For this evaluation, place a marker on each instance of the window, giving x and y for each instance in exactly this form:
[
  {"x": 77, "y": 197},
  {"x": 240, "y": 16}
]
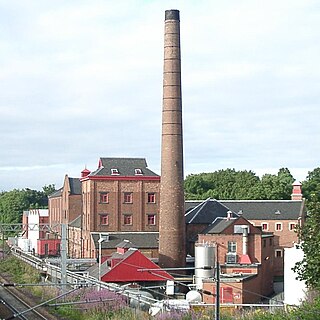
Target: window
[
  {"x": 104, "y": 219},
  {"x": 151, "y": 219},
  {"x": 264, "y": 243},
  {"x": 270, "y": 241},
  {"x": 278, "y": 253},
  {"x": 264, "y": 226},
  {"x": 292, "y": 226},
  {"x": 278, "y": 226},
  {"x": 127, "y": 197},
  {"x": 232, "y": 246},
  {"x": 127, "y": 219},
  {"x": 114, "y": 171},
  {"x": 137, "y": 171},
  {"x": 151, "y": 198},
  {"x": 104, "y": 197}
]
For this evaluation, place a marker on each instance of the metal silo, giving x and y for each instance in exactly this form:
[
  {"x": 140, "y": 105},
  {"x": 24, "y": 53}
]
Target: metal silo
[{"x": 204, "y": 262}]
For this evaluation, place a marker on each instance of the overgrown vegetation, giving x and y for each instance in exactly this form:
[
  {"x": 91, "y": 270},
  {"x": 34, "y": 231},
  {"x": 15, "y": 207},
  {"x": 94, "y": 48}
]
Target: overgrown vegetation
[
  {"x": 18, "y": 271},
  {"x": 90, "y": 304}
]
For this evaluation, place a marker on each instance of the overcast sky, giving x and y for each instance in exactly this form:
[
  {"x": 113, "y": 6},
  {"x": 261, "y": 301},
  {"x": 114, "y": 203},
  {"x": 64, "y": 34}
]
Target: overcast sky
[{"x": 80, "y": 80}]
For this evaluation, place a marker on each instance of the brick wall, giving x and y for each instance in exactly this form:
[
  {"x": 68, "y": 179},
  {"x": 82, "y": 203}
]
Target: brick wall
[{"x": 283, "y": 238}]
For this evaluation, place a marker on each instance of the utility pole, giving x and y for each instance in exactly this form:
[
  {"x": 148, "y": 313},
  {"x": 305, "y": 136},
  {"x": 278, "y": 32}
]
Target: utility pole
[
  {"x": 217, "y": 310},
  {"x": 63, "y": 257}
]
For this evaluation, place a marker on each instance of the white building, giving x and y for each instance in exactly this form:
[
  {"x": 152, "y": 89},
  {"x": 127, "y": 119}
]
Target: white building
[
  {"x": 33, "y": 218},
  {"x": 294, "y": 290}
]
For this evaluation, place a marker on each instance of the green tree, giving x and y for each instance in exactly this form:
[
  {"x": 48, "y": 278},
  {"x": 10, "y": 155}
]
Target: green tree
[
  {"x": 49, "y": 189},
  {"x": 309, "y": 268},
  {"x": 239, "y": 185},
  {"x": 13, "y": 203},
  {"x": 311, "y": 186},
  {"x": 221, "y": 184},
  {"x": 274, "y": 187}
]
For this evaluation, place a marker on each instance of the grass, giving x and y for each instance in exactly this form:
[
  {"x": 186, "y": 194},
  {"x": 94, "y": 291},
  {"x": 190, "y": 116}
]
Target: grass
[{"x": 114, "y": 307}]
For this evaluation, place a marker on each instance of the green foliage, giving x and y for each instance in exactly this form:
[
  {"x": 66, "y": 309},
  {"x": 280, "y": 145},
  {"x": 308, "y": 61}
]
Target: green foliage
[
  {"x": 311, "y": 186},
  {"x": 307, "y": 311},
  {"x": 49, "y": 189},
  {"x": 240, "y": 185},
  {"x": 13, "y": 203},
  {"x": 309, "y": 268},
  {"x": 19, "y": 271}
]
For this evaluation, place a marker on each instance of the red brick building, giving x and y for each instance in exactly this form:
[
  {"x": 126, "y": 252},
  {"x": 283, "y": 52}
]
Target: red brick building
[
  {"x": 65, "y": 204},
  {"x": 245, "y": 254},
  {"x": 280, "y": 217},
  {"x": 122, "y": 195}
]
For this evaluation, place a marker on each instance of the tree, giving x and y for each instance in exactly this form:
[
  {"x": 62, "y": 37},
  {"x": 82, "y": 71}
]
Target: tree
[
  {"x": 13, "y": 203},
  {"x": 221, "y": 184},
  {"x": 275, "y": 187},
  {"x": 311, "y": 186},
  {"x": 49, "y": 189},
  {"x": 309, "y": 268}
]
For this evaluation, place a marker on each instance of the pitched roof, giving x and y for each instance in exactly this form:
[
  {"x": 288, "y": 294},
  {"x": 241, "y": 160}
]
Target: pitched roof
[
  {"x": 75, "y": 185},
  {"x": 129, "y": 267},
  {"x": 140, "y": 240},
  {"x": 76, "y": 223},
  {"x": 206, "y": 212},
  {"x": 250, "y": 209},
  {"x": 125, "y": 167},
  {"x": 266, "y": 209},
  {"x": 219, "y": 225},
  {"x": 56, "y": 194}
]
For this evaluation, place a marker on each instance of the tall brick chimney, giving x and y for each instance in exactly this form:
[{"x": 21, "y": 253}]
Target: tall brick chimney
[{"x": 172, "y": 252}]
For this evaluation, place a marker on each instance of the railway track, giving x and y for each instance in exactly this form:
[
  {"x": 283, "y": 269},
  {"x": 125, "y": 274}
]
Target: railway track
[{"x": 14, "y": 307}]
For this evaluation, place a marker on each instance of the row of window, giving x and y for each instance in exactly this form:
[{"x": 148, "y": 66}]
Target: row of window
[
  {"x": 137, "y": 172},
  {"x": 127, "y": 197},
  {"x": 279, "y": 226},
  {"x": 232, "y": 248},
  {"x": 127, "y": 219}
]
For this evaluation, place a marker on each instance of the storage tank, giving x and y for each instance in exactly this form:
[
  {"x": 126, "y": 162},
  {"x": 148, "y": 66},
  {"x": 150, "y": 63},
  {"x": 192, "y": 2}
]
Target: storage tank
[{"x": 204, "y": 262}]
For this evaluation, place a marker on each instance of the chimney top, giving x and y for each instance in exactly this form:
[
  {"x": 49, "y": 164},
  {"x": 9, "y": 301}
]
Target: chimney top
[
  {"x": 85, "y": 172},
  {"x": 296, "y": 191},
  {"x": 172, "y": 15}
]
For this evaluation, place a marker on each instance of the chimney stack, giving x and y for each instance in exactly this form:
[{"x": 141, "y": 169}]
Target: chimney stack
[
  {"x": 172, "y": 252},
  {"x": 296, "y": 191}
]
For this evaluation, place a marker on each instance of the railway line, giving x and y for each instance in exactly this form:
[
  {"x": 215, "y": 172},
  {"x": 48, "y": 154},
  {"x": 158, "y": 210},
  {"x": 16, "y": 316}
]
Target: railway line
[
  {"x": 53, "y": 274},
  {"x": 14, "y": 307}
]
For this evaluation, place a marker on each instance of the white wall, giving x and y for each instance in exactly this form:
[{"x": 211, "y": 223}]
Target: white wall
[{"x": 294, "y": 290}]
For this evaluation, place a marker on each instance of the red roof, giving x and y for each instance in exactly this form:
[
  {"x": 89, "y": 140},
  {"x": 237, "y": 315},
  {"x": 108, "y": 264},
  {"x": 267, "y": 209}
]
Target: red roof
[{"x": 130, "y": 269}]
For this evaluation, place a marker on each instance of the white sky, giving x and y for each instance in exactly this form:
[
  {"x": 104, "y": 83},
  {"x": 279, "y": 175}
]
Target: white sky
[{"x": 80, "y": 80}]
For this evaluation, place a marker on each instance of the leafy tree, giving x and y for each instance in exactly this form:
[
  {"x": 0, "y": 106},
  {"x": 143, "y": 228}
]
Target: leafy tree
[
  {"x": 309, "y": 268},
  {"x": 222, "y": 184},
  {"x": 275, "y": 187},
  {"x": 49, "y": 189},
  {"x": 239, "y": 185},
  {"x": 13, "y": 203},
  {"x": 311, "y": 186}
]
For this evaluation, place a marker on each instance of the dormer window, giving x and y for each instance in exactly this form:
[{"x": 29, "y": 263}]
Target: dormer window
[
  {"x": 137, "y": 171},
  {"x": 277, "y": 212},
  {"x": 114, "y": 171}
]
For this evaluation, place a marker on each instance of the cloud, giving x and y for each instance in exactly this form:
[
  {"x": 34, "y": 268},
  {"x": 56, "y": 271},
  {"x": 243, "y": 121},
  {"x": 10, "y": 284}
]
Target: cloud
[{"x": 80, "y": 80}]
